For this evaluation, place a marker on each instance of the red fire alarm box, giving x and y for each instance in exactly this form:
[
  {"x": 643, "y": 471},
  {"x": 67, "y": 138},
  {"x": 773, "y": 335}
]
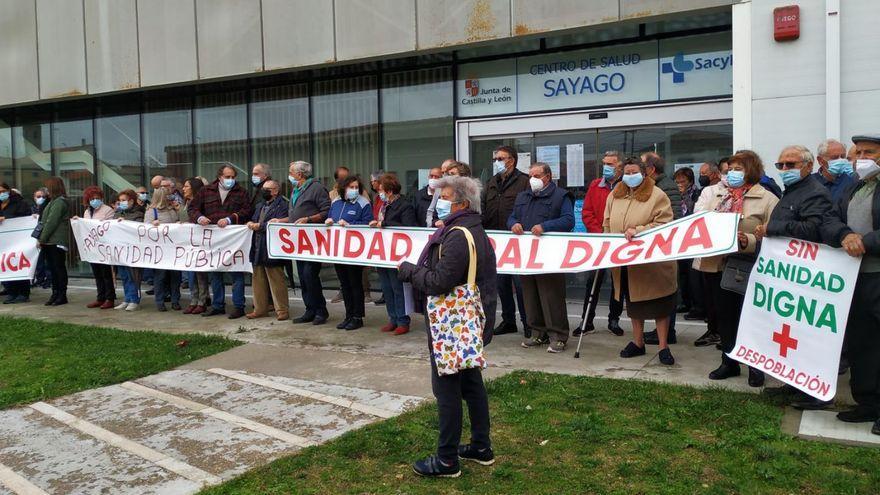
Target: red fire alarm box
[{"x": 786, "y": 23}]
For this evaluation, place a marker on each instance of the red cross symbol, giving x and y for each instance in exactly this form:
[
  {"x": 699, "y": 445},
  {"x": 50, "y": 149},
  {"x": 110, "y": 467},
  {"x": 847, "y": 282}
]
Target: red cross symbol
[{"x": 784, "y": 340}]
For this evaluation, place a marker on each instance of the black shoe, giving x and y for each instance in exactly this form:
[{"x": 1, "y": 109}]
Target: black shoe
[
  {"x": 614, "y": 327},
  {"x": 876, "y": 428},
  {"x": 859, "y": 414},
  {"x": 707, "y": 339},
  {"x": 213, "y": 312},
  {"x": 485, "y": 456},
  {"x": 756, "y": 378},
  {"x": 305, "y": 318},
  {"x": 811, "y": 404},
  {"x": 380, "y": 301},
  {"x": 21, "y": 299},
  {"x": 681, "y": 308},
  {"x": 320, "y": 319},
  {"x": 161, "y": 308},
  {"x": 354, "y": 324},
  {"x": 651, "y": 338},
  {"x": 527, "y": 331},
  {"x": 433, "y": 467},
  {"x": 10, "y": 299},
  {"x": 666, "y": 357},
  {"x": 693, "y": 315},
  {"x": 175, "y": 307},
  {"x": 52, "y": 299},
  {"x": 343, "y": 323},
  {"x": 632, "y": 350},
  {"x": 151, "y": 292},
  {"x": 60, "y": 301},
  {"x": 588, "y": 328},
  {"x": 504, "y": 328},
  {"x": 725, "y": 371},
  {"x": 236, "y": 314}
]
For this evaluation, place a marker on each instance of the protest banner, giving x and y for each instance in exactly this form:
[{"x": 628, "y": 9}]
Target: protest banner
[
  {"x": 167, "y": 246},
  {"x": 18, "y": 250},
  {"x": 795, "y": 312},
  {"x": 703, "y": 234}
]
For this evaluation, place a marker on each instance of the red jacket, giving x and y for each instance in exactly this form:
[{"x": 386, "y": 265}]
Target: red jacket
[{"x": 593, "y": 211}]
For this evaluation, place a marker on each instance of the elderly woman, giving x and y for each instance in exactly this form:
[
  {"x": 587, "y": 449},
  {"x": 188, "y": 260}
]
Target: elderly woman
[
  {"x": 197, "y": 281},
  {"x": 128, "y": 208},
  {"x": 444, "y": 265},
  {"x": 636, "y": 205},
  {"x": 162, "y": 211},
  {"x": 12, "y": 205},
  {"x": 54, "y": 237},
  {"x": 93, "y": 200},
  {"x": 741, "y": 194},
  {"x": 350, "y": 208},
  {"x": 268, "y": 273},
  {"x": 396, "y": 211}
]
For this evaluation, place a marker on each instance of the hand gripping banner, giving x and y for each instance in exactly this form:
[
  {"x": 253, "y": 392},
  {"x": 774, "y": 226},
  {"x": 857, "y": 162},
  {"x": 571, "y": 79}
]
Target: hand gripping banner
[{"x": 18, "y": 250}]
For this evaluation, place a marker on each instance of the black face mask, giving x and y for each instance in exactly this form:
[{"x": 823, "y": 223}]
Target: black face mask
[
  {"x": 267, "y": 194},
  {"x": 704, "y": 181}
]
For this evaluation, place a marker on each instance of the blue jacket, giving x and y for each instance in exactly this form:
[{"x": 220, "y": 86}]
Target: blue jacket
[
  {"x": 359, "y": 212},
  {"x": 552, "y": 208},
  {"x": 839, "y": 187}
]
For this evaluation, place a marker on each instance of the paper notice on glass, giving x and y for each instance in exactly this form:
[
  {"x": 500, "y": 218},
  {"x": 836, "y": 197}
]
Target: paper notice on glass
[
  {"x": 524, "y": 162},
  {"x": 423, "y": 177},
  {"x": 550, "y": 156},
  {"x": 574, "y": 165}
]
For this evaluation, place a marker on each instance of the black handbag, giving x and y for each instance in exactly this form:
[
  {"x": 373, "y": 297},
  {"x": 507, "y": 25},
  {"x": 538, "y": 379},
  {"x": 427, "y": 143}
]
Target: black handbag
[
  {"x": 38, "y": 230},
  {"x": 736, "y": 271}
]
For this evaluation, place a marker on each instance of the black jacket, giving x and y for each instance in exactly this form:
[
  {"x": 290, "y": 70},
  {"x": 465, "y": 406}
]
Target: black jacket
[
  {"x": 16, "y": 207},
  {"x": 259, "y": 245},
  {"x": 421, "y": 203},
  {"x": 669, "y": 186},
  {"x": 499, "y": 196},
  {"x": 835, "y": 227},
  {"x": 801, "y": 211},
  {"x": 439, "y": 274},
  {"x": 400, "y": 213}
]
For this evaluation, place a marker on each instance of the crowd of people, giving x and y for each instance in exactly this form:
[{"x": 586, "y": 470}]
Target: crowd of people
[{"x": 838, "y": 205}]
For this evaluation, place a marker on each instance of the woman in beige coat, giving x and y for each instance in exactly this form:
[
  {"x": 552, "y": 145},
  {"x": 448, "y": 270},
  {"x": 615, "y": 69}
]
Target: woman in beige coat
[
  {"x": 634, "y": 206},
  {"x": 744, "y": 195}
]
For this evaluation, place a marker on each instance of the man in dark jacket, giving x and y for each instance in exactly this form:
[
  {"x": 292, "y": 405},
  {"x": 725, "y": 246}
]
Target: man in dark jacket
[
  {"x": 856, "y": 227},
  {"x": 259, "y": 175},
  {"x": 544, "y": 207},
  {"x": 498, "y": 199},
  {"x": 425, "y": 196},
  {"x": 268, "y": 278},
  {"x": 223, "y": 202},
  {"x": 12, "y": 205}
]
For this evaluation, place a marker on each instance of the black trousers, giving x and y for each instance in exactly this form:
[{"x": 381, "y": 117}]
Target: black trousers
[
  {"x": 728, "y": 307},
  {"x": 351, "y": 280},
  {"x": 863, "y": 332},
  {"x": 18, "y": 288},
  {"x": 449, "y": 390},
  {"x": 712, "y": 286},
  {"x": 56, "y": 260},
  {"x": 312, "y": 291},
  {"x": 615, "y": 307},
  {"x": 104, "y": 282},
  {"x": 696, "y": 288}
]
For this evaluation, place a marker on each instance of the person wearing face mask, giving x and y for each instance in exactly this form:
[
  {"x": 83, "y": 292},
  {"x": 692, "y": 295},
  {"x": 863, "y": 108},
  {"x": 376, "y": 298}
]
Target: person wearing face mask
[
  {"x": 95, "y": 209},
  {"x": 259, "y": 175},
  {"x": 835, "y": 171},
  {"x": 444, "y": 169},
  {"x": 350, "y": 208},
  {"x": 55, "y": 237},
  {"x": 128, "y": 208},
  {"x": 636, "y": 205},
  {"x": 12, "y": 205},
  {"x": 544, "y": 207},
  {"x": 143, "y": 197},
  {"x": 497, "y": 202},
  {"x": 424, "y": 198},
  {"x": 268, "y": 276},
  {"x": 856, "y": 228},
  {"x": 222, "y": 203},
  {"x": 593, "y": 213},
  {"x": 42, "y": 275}
]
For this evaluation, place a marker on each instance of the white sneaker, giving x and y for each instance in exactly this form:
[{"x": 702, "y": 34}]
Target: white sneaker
[
  {"x": 132, "y": 307},
  {"x": 121, "y": 305}
]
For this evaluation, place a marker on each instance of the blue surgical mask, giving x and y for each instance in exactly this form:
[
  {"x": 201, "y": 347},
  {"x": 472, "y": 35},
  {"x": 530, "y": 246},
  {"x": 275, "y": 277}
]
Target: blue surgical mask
[
  {"x": 736, "y": 178},
  {"x": 499, "y": 166},
  {"x": 383, "y": 197},
  {"x": 143, "y": 196},
  {"x": 840, "y": 166},
  {"x": 4, "y": 196},
  {"x": 607, "y": 172},
  {"x": 444, "y": 208},
  {"x": 633, "y": 180},
  {"x": 352, "y": 194},
  {"x": 39, "y": 201},
  {"x": 95, "y": 203},
  {"x": 256, "y": 180},
  {"x": 789, "y": 177},
  {"x": 122, "y": 205},
  {"x": 228, "y": 183},
  {"x": 293, "y": 182}
]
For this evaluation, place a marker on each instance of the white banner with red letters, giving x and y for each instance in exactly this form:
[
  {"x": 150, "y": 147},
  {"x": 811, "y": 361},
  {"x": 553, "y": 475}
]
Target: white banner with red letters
[
  {"x": 699, "y": 235},
  {"x": 795, "y": 312},
  {"x": 168, "y": 246},
  {"x": 18, "y": 250}
]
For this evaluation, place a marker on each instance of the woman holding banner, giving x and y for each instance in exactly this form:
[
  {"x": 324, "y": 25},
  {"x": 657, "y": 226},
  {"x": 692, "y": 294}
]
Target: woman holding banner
[
  {"x": 93, "y": 200},
  {"x": 54, "y": 234},
  {"x": 198, "y": 281},
  {"x": 161, "y": 211},
  {"x": 636, "y": 205},
  {"x": 12, "y": 205},
  {"x": 128, "y": 208}
]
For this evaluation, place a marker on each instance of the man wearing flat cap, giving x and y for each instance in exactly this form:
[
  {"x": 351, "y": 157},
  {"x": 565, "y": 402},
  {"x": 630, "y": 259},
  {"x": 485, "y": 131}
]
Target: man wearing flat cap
[{"x": 857, "y": 230}]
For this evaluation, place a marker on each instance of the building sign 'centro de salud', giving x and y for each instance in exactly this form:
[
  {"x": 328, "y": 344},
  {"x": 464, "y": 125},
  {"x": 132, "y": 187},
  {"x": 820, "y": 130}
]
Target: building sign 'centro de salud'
[{"x": 670, "y": 69}]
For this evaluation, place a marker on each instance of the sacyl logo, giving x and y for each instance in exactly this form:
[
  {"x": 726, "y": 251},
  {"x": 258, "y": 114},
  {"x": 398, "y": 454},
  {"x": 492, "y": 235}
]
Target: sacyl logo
[{"x": 678, "y": 67}]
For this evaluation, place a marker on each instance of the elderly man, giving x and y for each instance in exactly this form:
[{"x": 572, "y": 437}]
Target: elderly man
[
  {"x": 156, "y": 182},
  {"x": 223, "y": 202},
  {"x": 497, "y": 200},
  {"x": 268, "y": 273},
  {"x": 835, "y": 171},
  {"x": 424, "y": 197},
  {"x": 593, "y": 213},
  {"x": 856, "y": 228},
  {"x": 544, "y": 207},
  {"x": 259, "y": 175}
]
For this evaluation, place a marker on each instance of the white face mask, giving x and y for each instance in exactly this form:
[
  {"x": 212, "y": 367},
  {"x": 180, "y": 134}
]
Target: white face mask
[
  {"x": 867, "y": 168},
  {"x": 432, "y": 183},
  {"x": 499, "y": 166},
  {"x": 536, "y": 184}
]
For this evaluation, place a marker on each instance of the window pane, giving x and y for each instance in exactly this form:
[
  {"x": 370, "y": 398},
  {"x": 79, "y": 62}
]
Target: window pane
[
  {"x": 168, "y": 138},
  {"x": 417, "y": 122},
  {"x": 33, "y": 158},
  {"x": 345, "y": 126},
  {"x": 118, "y": 142},
  {"x": 6, "y": 154},
  {"x": 280, "y": 127},
  {"x": 74, "y": 154},
  {"x": 221, "y": 134},
  {"x": 693, "y": 145}
]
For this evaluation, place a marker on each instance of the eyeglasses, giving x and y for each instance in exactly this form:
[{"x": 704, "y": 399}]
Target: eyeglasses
[{"x": 787, "y": 165}]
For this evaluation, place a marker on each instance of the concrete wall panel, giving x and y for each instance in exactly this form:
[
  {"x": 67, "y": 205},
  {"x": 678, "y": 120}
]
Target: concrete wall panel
[
  {"x": 630, "y": 9},
  {"x": 230, "y": 37},
  {"x": 111, "y": 45},
  {"x": 297, "y": 33},
  {"x": 452, "y": 22},
  {"x": 167, "y": 41},
  {"x": 62, "y": 48},
  {"x": 368, "y": 28},
  {"x": 858, "y": 114},
  {"x": 779, "y": 122},
  {"x": 18, "y": 52},
  {"x": 859, "y": 41},
  {"x": 529, "y": 16}
]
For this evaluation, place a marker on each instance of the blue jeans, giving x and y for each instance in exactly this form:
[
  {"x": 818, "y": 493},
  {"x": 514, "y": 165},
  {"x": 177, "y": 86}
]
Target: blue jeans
[
  {"x": 392, "y": 289},
  {"x": 219, "y": 290},
  {"x": 130, "y": 284},
  {"x": 173, "y": 277}
]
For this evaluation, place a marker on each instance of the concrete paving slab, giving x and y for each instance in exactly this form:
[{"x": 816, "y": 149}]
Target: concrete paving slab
[
  {"x": 824, "y": 425},
  {"x": 59, "y": 459}
]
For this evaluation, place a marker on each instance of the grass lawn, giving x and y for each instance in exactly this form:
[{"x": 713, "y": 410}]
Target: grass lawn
[
  {"x": 558, "y": 434},
  {"x": 40, "y": 360}
]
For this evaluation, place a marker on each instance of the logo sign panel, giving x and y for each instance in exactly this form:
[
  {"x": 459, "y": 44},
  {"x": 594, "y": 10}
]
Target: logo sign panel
[
  {"x": 696, "y": 66},
  {"x": 487, "y": 88}
]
